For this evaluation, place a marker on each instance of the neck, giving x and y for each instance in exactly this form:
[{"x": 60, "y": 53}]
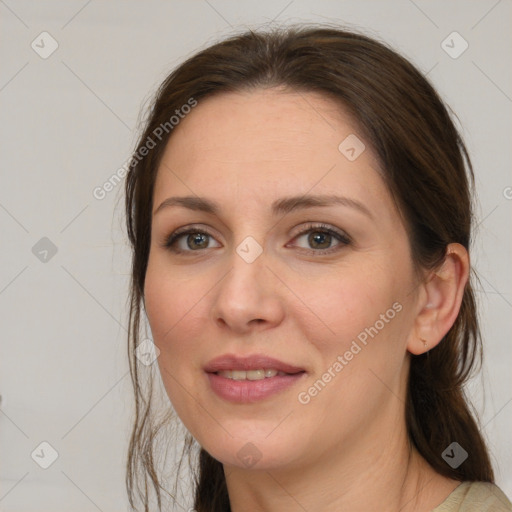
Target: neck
[{"x": 380, "y": 472}]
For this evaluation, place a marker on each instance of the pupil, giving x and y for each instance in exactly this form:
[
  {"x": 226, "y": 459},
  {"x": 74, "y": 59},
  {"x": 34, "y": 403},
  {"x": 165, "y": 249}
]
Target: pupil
[
  {"x": 197, "y": 240},
  {"x": 320, "y": 240}
]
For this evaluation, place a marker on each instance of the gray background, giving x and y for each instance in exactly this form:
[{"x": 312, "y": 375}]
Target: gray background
[{"x": 69, "y": 122}]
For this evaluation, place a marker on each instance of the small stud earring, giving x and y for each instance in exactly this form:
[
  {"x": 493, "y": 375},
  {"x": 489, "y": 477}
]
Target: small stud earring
[{"x": 424, "y": 343}]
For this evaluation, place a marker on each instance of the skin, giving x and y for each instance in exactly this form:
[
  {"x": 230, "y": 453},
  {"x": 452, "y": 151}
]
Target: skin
[{"x": 347, "y": 448}]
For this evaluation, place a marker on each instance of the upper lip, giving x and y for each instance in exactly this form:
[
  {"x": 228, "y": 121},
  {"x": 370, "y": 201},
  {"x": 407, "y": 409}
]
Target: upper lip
[{"x": 251, "y": 362}]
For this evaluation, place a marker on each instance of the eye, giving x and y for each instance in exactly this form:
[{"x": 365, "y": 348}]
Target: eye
[
  {"x": 321, "y": 239},
  {"x": 189, "y": 240}
]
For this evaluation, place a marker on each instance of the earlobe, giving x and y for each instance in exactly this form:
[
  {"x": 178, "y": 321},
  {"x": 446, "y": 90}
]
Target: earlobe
[{"x": 440, "y": 303}]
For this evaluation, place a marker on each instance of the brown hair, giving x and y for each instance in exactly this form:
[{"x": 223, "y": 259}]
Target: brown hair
[{"x": 427, "y": 169}]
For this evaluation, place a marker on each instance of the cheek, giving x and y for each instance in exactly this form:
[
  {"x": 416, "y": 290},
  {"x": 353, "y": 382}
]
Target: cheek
[
  {"x": 341, "y": 305},
  {"x": 173, "y": 308},
  {"x": 358, "y": 326},
  {"x": 170, "y": 296},
  {"x": 176, "y": 310}
]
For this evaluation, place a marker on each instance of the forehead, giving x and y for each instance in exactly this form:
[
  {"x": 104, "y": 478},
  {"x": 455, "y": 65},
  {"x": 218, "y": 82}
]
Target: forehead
[{"x": 265, "y": 142}]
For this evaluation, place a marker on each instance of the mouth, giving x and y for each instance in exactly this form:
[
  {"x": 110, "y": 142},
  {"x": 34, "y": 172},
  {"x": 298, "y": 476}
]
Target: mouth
[
  {"x": 250, "y": 379},
  {"x": 260, "y": 363},
  {"x": 252, "y": 375}
]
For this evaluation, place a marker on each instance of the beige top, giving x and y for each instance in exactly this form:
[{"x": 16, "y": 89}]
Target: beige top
[{"x": 475, "y": 497}]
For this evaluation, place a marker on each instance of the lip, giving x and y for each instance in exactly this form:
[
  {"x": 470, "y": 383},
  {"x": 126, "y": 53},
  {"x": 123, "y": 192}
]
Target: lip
[
  {"x": 251, "y": 362},
  {"x": 250, "y": 391}
]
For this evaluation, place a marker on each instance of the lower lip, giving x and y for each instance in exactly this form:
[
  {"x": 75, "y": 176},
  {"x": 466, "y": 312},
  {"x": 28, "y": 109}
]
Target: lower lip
[{"x": 248, "y": 391}]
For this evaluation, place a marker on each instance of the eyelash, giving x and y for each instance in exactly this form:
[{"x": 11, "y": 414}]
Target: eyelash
[{"x": 341, "y": 237}]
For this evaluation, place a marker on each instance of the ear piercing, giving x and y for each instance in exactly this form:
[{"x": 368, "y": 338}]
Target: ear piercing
[{"x": 424, "y": 343}]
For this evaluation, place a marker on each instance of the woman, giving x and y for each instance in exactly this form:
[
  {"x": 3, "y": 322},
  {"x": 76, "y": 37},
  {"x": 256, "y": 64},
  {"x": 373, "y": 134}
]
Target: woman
[{"x": 299, "y": 208}]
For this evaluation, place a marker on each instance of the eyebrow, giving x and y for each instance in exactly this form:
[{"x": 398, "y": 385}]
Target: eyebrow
[{"x": 279, "y": 207}]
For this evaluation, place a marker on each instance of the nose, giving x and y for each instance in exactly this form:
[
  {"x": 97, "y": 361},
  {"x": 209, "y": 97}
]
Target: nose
[{"x": 249, "y": 297}]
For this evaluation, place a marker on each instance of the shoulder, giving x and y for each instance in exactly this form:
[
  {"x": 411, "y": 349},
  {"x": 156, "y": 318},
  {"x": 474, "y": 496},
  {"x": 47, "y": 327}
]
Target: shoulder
[{"x": 475, "y": 497}]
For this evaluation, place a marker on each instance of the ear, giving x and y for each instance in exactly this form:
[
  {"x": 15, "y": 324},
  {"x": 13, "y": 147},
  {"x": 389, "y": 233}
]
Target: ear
[{"x": 440, "y": 298}]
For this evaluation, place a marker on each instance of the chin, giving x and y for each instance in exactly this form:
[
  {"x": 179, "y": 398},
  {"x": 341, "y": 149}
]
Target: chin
[{"x": 255, "y": 451}]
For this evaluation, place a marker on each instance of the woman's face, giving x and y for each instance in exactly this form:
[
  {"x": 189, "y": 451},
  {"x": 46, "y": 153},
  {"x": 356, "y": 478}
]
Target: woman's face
[{"x": 323, "y": 285}]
